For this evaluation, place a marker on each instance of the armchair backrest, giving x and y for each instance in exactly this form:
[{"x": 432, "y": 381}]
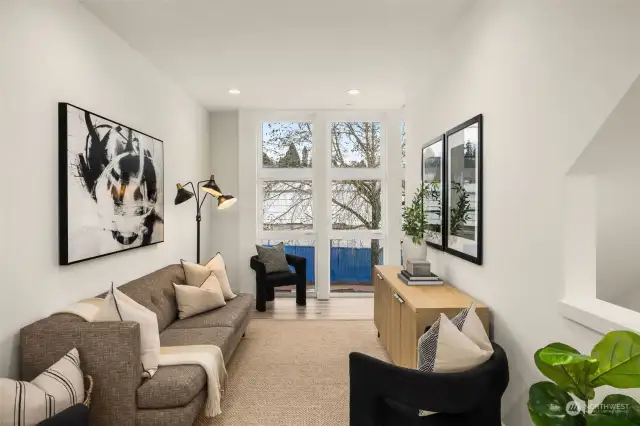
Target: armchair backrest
[{"x": 384, "y": 394}]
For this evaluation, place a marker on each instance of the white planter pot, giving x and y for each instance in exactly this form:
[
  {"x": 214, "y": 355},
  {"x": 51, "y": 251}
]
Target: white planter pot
[{"x": 411, "y": 251}]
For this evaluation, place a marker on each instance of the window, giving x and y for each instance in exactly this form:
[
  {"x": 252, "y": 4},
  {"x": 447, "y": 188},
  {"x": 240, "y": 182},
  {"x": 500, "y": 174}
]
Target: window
[
  {"x": 351, "y": 263},
  {"x": 355, "y": 144},
  {"x": 324, "y": 194},
  {"x": 356, "y": 204},
  {"x": 286, "y": 145},
  {"x": 286, "y": 205}
]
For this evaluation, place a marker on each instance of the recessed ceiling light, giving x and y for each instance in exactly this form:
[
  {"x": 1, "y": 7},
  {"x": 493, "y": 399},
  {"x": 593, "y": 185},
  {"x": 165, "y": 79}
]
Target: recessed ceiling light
[
  {"x": 234, "y": 91},
  {"x": 353, "y": 91}
]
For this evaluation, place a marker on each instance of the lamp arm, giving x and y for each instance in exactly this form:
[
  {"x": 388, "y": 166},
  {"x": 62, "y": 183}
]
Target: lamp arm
[
  {"x": 196, "y": 195},
  {"x": 201, "y": 202}
]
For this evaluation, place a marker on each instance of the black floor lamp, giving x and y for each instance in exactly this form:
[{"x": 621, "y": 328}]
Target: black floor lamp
[{"x": 209, "y": 187}]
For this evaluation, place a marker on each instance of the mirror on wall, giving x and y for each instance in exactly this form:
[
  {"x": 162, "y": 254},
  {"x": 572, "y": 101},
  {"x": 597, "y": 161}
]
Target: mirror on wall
[
  {"x": 464, "y": 190},
  {"x": 433, "y": 199}
]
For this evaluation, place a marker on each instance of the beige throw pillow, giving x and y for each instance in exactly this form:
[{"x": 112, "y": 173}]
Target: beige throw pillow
[
  {"x": 196, "y": 300},
  {"x": 469, "y": 323},
  {"x": 219, "y": 269},
  {"x": 194, "y": 274},
  {"x": 120, "y": 307},
  {"x": 445, "y": 349}
]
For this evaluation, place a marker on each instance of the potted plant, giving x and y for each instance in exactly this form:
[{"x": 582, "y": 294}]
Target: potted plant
[
  {"x": 414, "y": 226},
  {"x": 614, "y": 361}
]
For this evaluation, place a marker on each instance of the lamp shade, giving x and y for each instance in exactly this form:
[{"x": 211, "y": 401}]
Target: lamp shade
[
  {"x": 212, "y": 187},
  {"x": 182, "y": 195},
  {"x": 226, "y": 201}
]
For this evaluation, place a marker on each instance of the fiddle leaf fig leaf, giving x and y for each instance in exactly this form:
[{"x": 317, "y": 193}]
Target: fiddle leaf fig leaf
[
  {"x": 618, "y": 355},
  {"x": 568, "y": 368},
  {"x": 548, "y": 406},
  {"x": 620, "y": 406},
  {"x": 603, "y": 420}
]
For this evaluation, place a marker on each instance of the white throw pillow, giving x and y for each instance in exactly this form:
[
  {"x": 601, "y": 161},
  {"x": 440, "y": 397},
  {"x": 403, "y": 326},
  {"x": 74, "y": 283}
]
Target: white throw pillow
[
  {"x": 445, "y": 349},
  {"x": 217, "y": 266},
  {"x": 56, "y": 389},
  {"x": 196, "y": 300},
  {"x": 194, "y": 274},
  {"x": 120, "y": 307},
  {"x": 469, "y": 323}
]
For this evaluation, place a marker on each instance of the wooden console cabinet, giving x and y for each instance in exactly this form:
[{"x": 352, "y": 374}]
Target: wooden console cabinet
[{"x": 402, "y": 312}]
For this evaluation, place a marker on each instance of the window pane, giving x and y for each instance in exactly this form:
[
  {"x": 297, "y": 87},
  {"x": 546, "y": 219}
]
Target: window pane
[
  {"x": 302, "y": 248},
  {"x": 286, "y": 144},
  {"x": 355, "y": 144},
  {"x": 287, "y": 205},
  {"x": 356, "y": 204},
  {"x": 351, "y": 263}
]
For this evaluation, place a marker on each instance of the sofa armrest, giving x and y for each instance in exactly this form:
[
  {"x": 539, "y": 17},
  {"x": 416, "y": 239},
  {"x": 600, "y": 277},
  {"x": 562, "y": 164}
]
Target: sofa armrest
[{"x": 109, "y": 352}]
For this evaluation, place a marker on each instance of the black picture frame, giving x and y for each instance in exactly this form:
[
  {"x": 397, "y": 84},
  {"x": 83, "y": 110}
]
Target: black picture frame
[
  {"x": 472, "y": 252},
  {"x": 442, "y": 166},
  {"x": 64, "y": 164}
]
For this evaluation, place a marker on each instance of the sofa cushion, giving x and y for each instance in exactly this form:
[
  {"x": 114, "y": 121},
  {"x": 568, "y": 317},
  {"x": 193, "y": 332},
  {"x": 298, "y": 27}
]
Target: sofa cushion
[
  {"x": 231, "y": 315},
  {"x": 172, "y": 386},
  {"x": 219, "y": 336},
  {"x": 155, "y": 292}
]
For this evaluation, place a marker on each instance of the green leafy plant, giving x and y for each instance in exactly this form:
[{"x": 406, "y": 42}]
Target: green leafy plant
[
  {"x": 614, "y": 361},
  {"x": 461, "y": 211},
  {"x": 414, "y": 224}
]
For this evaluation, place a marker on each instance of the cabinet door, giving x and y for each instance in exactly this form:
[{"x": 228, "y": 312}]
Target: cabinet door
[
  {"x": 408, "y": 336},
  {"x": 377, "y": 301},
  {"x": 394, "y": 333}
]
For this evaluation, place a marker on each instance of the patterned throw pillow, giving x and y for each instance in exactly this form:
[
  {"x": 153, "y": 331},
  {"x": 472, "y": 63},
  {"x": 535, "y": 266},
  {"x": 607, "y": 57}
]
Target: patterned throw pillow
[
  {"x": 273, "y": 258},
  {"x": 53, "y": 391}
]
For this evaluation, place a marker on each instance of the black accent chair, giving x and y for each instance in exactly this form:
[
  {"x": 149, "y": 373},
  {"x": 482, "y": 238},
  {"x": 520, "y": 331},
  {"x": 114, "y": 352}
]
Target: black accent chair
[
  {"x": 383, "y": 394},
  {"x": 266, "y": 283}
]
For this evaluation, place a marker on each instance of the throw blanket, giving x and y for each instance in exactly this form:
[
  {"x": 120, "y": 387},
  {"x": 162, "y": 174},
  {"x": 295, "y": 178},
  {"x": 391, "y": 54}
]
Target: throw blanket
[{"x": 208, "y": 357}]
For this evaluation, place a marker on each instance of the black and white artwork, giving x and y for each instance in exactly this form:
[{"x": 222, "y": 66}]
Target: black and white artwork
[
  {"x": 433, "y": 190},
  {"x": 464, "y": 190},
  {"x": 111, "y": 186}
]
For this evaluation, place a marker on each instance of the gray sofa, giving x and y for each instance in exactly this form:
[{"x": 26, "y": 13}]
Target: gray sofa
[{"x": 110, "y": 353}]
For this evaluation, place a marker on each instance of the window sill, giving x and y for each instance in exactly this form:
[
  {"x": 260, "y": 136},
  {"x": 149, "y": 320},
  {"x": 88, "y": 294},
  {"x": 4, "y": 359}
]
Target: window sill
[{"x": 599, "y": 315}]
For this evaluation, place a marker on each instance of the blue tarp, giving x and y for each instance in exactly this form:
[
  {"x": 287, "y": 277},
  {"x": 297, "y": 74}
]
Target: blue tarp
[{"x": 348, "y": 265}]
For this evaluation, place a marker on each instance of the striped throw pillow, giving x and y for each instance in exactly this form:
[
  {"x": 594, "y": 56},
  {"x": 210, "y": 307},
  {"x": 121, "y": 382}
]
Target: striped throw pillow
[{"x": 53, "y": 391}]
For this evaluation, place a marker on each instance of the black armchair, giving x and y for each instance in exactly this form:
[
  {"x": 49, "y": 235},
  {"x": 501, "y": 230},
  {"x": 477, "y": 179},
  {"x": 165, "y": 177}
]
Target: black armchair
[
  {"x": 385, "y": 395},
  {"x": 266, "y": 283}
]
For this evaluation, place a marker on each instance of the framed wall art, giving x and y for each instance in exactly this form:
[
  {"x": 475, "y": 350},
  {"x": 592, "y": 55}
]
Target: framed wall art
[
  {"x": 433, "y": 166},
  {"x": 111, "y": 186},
  {"x": 463, "y": 184}
]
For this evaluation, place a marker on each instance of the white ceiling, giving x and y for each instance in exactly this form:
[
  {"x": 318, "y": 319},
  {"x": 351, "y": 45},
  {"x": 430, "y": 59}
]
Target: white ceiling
[{"x": 284, "y": 54}]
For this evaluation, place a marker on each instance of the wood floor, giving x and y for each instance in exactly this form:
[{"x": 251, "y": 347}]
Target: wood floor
[{"x": 343, "y": 308}]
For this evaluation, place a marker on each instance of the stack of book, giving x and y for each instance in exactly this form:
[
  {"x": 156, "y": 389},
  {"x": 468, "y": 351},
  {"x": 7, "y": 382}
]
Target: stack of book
[{"x": 409, "y": 279}]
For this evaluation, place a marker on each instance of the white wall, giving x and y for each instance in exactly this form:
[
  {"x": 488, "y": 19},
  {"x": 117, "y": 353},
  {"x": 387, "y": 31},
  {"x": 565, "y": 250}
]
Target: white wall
[
  {"x": 225, "y": 223},
  {"x": 57, "y": 51},
  {"x": 618, "y": 237},
  {"x": 546, "y": 75}
]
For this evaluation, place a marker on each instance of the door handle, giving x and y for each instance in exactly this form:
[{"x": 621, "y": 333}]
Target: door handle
[
  {"x": 379, "y": 276},
  {"x": 398, "y": 298}
]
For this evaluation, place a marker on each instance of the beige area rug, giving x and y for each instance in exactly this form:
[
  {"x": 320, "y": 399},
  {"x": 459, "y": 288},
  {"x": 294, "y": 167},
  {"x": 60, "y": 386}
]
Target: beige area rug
[{"x": 294, "y": 373}]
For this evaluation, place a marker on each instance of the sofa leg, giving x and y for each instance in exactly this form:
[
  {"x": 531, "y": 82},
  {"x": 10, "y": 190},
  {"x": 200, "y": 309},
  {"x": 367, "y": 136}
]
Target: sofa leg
[{"x": 261, "y": 297}]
